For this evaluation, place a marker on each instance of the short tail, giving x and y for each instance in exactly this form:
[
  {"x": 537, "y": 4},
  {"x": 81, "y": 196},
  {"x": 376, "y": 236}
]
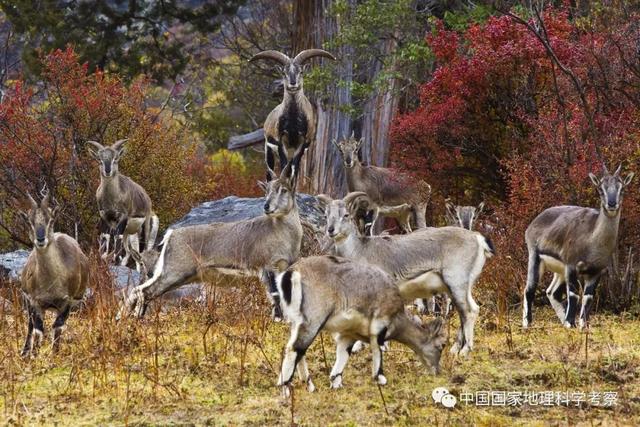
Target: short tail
[{"x": 487, "y": 245}]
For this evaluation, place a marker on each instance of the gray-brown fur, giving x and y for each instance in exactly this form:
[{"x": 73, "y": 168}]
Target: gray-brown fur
[
  {"x": 291, "y": 126},
  {"x": 457, "y": 216},
  {"x": 574, "y": 243},
  {"x": 353, "y": 301},
  {"x": 395, "y": 195},
  {"x": 423, "y": 263},
  {"x": 259, "y": 246},
  {"x": 463, "y": 216},
  {"x": 54, "y": 277},
  {"x": 123, "y": 204}
]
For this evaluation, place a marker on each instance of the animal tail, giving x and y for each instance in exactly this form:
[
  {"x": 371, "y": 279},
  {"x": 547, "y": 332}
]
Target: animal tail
[{"x": 487, "y": 245}]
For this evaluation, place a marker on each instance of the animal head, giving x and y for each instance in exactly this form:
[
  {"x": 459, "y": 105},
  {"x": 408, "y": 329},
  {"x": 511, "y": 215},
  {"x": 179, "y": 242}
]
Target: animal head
[
  {"x": 107, "y": 157},
  {"x": 280, "y": 193},
  {"x": 348, "y": 149},
  {"x": 434, "y": 337},
  {"x": 463, "y": 216},
  {"x": 343, "y": 214},
  {"x": 611, "y": 188},
  {"x": 292, "y": 69},
  {"x": 40, "y": 219}
]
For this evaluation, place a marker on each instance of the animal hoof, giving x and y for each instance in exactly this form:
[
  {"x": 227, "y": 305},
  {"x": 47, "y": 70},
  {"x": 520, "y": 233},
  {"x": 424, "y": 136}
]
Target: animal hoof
[
  {"x": 455, "y": 348},
  {"x": 464, "y": 352},
  {"x": 568, "y": 325},
  {"x": 336, "y": 382},
  {"x": 359, "y": 345},
  {"x": 385, "y": 346},
  {"x": 382, "y": 380},
  {"x": 311, "y": 387},
  {"x": 525, "y": 324}
]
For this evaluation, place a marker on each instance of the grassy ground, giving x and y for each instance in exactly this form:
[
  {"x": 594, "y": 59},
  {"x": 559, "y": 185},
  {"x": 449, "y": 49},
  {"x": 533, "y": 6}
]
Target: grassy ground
[{"x": 217, "y": 366}]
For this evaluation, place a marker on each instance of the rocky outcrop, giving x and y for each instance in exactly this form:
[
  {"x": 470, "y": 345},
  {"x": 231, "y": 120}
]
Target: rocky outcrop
[{"x": 233, "y": 208}]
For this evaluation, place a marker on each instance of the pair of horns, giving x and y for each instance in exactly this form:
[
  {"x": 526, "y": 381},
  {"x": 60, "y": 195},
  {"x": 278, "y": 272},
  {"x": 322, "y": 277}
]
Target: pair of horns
[
  {"x": 116, "y": 145},
  {"x": 299, "y": 59}
]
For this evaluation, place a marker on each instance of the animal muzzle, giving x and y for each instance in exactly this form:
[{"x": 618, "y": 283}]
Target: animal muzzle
[
  {"x": 41, "y": 237},
  {"x": 267, "y": 209}
]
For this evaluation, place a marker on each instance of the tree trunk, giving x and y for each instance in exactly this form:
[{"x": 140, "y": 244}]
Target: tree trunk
[{"x": 322, "y": 167}]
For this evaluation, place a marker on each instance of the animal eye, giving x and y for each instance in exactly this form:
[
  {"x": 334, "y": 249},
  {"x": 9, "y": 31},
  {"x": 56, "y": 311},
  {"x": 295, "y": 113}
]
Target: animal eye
[{"x": 346, "y": 215}]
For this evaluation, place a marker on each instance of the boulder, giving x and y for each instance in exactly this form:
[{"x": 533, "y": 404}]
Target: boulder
[
  {"x": 12, "y": 263},
  {"x": 234, "y": 208}
]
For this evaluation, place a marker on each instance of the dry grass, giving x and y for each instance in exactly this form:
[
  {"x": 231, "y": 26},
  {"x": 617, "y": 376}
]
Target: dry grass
[{"x": 217, "y": 365}]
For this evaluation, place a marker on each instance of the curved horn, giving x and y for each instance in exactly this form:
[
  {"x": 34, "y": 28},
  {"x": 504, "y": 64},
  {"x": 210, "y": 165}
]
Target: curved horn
[
  {"x": 604, "y": 167},
  {"x": 351, "y": 197},
  {"x": 96, "y": 144},
  {"x": 34, "y": 205},
  {"x": 305, "y": 55},
  {"x": 272, "y": 54},
  {"x": 116, "y": 145},
  {"x": 324, "y": 199}
]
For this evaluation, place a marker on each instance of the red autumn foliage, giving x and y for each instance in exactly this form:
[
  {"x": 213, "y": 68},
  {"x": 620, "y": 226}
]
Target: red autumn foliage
[
  {"x": 500, "y": 121},
  {"x": 43, "y": 133}
]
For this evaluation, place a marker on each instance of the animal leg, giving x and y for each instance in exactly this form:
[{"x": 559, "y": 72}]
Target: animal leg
[
  {"x": 344, "y": 347},
  {"x": 301, "y": 338},
  {"x": 58, "y": 325},
  {"x": 469, "y": 325},
  {"x": 303, "y": 373},
  {"x": 26, "y": 349},
  {"x": 268, "y": 277},
  {"x": 37, "y": 332},
  {"x": 533, "y": 277},
  {"x": 587, "y": 300},
  {"x": 460, "y": 302},
  {"x": 572, "y": 297},
  {"x": 375, "y": 341},
  {"x": 554, "y": 292},
  {"x": 269, "y": 155},
  {"x": 134, "y": 249}
]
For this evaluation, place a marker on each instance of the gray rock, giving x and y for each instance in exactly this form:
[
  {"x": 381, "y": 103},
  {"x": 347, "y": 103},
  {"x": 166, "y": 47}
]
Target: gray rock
[
  {"x": 12, "y": 263},
  {"x": 233, "y": 208}
]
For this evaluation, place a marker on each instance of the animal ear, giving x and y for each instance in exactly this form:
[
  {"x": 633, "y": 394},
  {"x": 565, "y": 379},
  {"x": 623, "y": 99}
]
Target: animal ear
[
  {"x": 594, "y": 179},
  {"x": 450, "y": 207},
  {"x": 262, "y": 185},
  {"x": 119, "y": 145},
  {"x": 96, "y": 147},
  {"x": 55, "y": 212},
  {"x": 335, "y": 142},
  {"x": 24, "y": 216},
  {"x": 479, "y": 208},
  {"x": 628, "y": 179},
  {"x": 360, "y": 142},
  {"x": 306, "y": 67}
]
